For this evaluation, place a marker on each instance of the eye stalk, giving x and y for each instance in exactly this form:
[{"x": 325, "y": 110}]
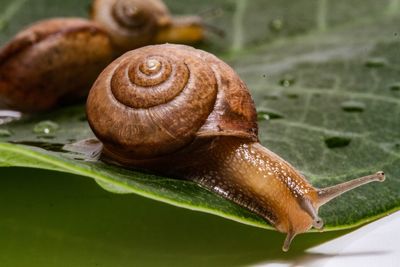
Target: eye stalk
[{"x": 327, "y": 194}]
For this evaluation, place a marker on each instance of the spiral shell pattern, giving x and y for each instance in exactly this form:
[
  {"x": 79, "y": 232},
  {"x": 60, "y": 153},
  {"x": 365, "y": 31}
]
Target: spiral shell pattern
[{"x": 152, "y": 101}]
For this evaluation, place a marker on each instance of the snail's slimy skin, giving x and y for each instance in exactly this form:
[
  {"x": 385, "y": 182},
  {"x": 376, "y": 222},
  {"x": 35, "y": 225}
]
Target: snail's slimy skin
[
  {"x": 184, "y": 113},
  {"x": 256, "y": 178},
  {"x": 245, "y": 172},
  {"x": 50, "y": 62}
]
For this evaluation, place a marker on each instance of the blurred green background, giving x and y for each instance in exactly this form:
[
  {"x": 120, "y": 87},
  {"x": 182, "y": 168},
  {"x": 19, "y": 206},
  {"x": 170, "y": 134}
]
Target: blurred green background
[{"x": 55, "y": 219}]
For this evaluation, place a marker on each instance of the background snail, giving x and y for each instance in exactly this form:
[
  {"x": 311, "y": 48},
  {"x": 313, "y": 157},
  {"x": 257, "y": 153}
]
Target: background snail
[
  {"x": 135, "y": 23},
  {"x": 52, "y": 61},
  {"x": 182, "y": 112}
]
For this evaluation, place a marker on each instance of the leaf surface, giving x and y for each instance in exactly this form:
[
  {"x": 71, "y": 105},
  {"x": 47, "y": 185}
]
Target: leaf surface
[{"x": 326, "y": 76}]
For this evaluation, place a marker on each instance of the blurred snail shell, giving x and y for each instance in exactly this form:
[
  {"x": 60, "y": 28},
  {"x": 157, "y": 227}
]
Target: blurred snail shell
[
  {"x": 52, "y": 61},
  {"x": 182, "y": 112},
  {"x": 136, "y": 23}
]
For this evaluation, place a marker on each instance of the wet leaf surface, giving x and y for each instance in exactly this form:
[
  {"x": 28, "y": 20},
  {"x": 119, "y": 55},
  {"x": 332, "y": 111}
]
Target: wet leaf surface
[{"x": 302, "y": 61}]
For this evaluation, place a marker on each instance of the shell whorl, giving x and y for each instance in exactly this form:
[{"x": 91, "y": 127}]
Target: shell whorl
[
  {"x": 149, "y": 102},
  {"x": 155, "y": 100}
]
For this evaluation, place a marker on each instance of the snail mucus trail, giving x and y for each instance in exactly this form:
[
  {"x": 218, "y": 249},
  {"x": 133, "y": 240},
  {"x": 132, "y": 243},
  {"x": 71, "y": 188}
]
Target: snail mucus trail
[{"x": 182, "y": 112}]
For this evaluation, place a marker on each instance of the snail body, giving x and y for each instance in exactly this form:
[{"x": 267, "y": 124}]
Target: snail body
[
  {"x": 135, "y": 23},
  {"x": 52, "y": 61},
  {"x": 182, "y": 112}
]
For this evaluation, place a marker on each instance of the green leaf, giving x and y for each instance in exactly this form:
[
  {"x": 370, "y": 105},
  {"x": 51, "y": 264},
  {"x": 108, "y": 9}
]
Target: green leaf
[
  {"x": 328, "y": 72},
  {"x": 66, "y": 220}
]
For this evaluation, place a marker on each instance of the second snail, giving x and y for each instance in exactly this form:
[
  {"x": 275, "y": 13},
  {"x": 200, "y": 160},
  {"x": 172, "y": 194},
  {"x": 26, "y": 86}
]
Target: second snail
[
  {"x": 184, "y": 113},
  {"x": 55, "y": 61}
]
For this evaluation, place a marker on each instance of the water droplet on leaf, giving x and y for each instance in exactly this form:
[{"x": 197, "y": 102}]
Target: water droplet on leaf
[
  {"x": 266, "y": 114},
  {"x": 276, "y": 25},
  {"x": 353, "y": 106},
  {"x": 395, "y": 86},
  {"x": 292, "y": 95},
  {"x": 262, "y": 117},
  {"x": 287, "y": 80},
  {"x": 337, "y": 141},
  {"x": 5, "y": 133},
  {"x": 113, "y": 188},
  {"x": 376, "y": 62},
  {"x": 45, "y": 128}
]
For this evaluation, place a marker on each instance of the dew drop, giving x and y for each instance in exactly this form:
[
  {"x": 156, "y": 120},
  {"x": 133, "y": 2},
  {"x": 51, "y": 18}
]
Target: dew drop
[
  {"x": 395, "y": 86},
  {"x": 266, "y": 114},
  {"x": 287, "y": 80},
  {"x": 45, "y": 128},
  {"x": 292, "y": 95},
  {"x": 337, "y": 141},
  {"x": 376, "y": 62},
  {"x": 397, "y": 146},
  {"x": 353, "y": 106},
  {"x": 276, "y": 25},
  {"x": 262, "y": 116},
  {"x": 5, "y": 133}
]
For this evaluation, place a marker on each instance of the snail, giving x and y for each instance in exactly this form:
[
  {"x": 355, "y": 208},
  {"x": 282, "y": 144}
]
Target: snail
[
  {"x": 184, "y": 113},
  {"x": 52, "y": 61},
  {"x": 136, "y": 23}
]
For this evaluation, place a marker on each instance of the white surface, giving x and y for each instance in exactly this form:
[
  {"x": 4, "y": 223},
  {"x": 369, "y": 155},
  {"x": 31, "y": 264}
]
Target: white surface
[{"x": 376, "y": 244}]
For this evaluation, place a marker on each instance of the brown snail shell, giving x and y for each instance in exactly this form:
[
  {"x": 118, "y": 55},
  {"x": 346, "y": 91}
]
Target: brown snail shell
[
  {"x": 136, "y": 23},
  {"x": 152, "y": 85},
  {"x": 52, "y": 61},
  {"x": 182, "y": 112}
]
